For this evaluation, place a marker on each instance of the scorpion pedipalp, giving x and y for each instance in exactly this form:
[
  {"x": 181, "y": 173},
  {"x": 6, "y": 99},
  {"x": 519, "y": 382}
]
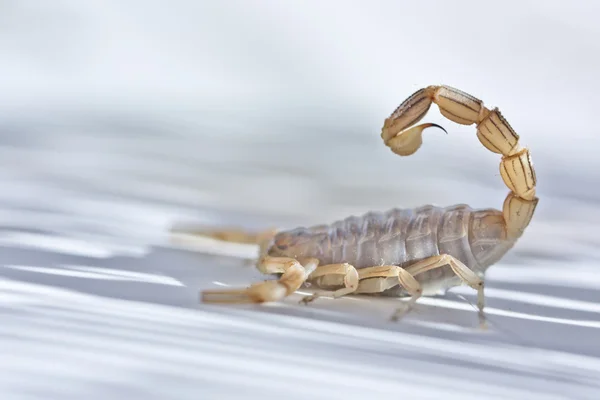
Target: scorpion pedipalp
[{"x": 293, "y": 275}]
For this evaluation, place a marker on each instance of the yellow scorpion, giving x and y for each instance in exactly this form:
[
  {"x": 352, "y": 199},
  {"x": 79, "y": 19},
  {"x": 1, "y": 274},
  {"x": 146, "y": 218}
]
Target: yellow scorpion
[{"x": 402, "y": 252}]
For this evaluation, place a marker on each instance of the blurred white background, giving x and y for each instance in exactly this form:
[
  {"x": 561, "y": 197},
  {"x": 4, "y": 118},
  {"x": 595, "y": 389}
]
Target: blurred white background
[{"x": 120, "y": 118}]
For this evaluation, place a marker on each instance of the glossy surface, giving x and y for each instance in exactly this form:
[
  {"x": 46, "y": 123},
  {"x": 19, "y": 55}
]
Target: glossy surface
[{"x": 121, "y": 118}]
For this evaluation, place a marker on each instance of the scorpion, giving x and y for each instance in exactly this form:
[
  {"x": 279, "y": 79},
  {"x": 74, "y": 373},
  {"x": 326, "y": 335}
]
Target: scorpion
[{"x": 402, "y": 252}]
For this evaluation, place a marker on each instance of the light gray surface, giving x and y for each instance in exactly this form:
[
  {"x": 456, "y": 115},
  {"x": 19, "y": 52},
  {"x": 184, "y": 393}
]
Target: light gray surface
[{"x": 120, "y": 119}]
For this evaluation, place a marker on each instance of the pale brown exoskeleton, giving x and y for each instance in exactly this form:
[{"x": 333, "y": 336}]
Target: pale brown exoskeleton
[{"x": 403, "y": 252}]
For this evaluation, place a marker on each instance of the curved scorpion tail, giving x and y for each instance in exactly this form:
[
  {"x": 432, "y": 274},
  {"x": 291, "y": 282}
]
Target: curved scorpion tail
[{"x": 493, "y": 131}]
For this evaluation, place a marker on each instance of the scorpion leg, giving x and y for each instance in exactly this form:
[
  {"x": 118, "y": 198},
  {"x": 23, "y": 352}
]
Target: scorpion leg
[
  {"x": 375, "y": 280},
  {"x": 293, "y": 276},
  {"x": 460, "y": 269},
  {"x": 347, "y": 272}
]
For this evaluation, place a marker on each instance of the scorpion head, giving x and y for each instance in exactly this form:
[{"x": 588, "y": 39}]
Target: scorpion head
[{"x": 287, "y": 241}]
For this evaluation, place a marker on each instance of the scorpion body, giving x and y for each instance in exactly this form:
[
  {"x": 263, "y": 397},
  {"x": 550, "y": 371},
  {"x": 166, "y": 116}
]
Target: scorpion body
[
  {"x": 403, "y": 252},
  {"x": 401, "y": 237}
]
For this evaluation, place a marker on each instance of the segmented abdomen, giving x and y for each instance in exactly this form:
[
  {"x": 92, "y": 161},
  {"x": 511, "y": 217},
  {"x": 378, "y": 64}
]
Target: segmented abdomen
[{"x": 397, "y": 237}]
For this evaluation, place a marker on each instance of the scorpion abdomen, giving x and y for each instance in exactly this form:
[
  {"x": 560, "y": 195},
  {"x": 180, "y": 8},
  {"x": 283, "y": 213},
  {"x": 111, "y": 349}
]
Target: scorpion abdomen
[{"x": 400, "y": 237}]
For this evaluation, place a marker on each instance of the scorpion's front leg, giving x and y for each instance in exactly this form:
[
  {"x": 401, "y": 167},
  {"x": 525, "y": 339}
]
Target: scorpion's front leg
[
  {"x": 461, "y": 270},
  {"x": 293, "y": 276}
]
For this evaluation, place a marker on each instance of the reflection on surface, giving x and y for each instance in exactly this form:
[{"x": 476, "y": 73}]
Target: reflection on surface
[
  {"x": 264, "y": 115},
  {"x": 89, "y": 277},
  {"x": 88, "y": 273}
]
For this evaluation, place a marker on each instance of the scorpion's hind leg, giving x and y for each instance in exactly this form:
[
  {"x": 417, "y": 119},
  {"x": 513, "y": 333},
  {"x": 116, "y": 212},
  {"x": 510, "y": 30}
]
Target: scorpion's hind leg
[
  {"x": 460, "y": 269},
  {"x": 293, "y": 275},
  {"x": 334, "y": 272},
  {"x": 376, "y": 280}
]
